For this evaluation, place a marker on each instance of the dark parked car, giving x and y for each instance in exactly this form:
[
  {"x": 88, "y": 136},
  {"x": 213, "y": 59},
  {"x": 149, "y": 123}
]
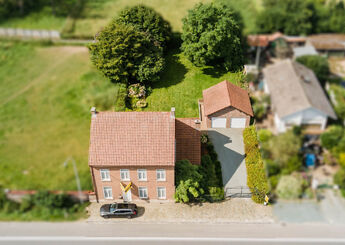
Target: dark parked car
[{"x": 119, "y": 209}]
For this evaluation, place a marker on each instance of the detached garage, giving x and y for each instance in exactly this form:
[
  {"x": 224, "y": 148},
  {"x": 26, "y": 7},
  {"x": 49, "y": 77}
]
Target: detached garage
[{"x": 225, "y": 105}]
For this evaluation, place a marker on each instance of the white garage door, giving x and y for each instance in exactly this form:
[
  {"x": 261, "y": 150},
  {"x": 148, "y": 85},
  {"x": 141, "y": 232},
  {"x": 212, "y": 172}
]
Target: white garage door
[
  {"x": 238, "y": 123},
  {"x": 218, "y": 122}
]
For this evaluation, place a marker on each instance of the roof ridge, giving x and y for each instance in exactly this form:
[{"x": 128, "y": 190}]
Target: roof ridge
[
  {"x": 229, "y": 93},
  {"x": 293, "y": 63}
]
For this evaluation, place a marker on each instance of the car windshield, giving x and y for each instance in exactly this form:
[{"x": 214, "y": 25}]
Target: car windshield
[{"x": 112, "y": 207}]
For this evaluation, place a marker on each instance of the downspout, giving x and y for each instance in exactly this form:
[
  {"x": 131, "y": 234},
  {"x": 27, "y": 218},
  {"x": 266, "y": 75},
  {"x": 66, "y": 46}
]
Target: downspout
[{"x": 94, "y": 184}]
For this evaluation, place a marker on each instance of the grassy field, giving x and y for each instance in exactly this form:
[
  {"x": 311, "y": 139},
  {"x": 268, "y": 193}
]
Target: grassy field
[
  {"x": 45, "y": 96},
  {"x": 44, "y": 115},
  {"x": 96, "y": 14}
]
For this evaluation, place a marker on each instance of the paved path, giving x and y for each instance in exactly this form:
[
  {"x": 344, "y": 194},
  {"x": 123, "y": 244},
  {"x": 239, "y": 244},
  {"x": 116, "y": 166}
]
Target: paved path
[
  {"x": 228, "y": 143},
  {"x": 83, "y": 233}
]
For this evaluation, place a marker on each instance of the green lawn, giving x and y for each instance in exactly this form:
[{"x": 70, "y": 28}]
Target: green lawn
[
  {"x": 181, "y": 86},
  {"x": 44, "y": 115},
  {"x": 45, "y": 96},
  {"x": 96, "y": 14}
]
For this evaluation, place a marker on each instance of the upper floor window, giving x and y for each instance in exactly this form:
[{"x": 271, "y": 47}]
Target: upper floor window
[
  {"x": 160, "y": 174},
  {"x": 142, "y": 176},
  {"x": 105, "y": 174},
  {"x": 124, "y": 174}
]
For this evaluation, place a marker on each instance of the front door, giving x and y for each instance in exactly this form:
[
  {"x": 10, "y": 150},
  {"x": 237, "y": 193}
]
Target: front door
[{"x": 127, "y": 196}]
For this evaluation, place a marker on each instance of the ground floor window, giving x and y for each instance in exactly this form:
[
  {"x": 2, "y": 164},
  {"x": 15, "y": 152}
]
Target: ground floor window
[
  {"x": 108, "y": 193},
  {"x": 143, "y": 192},
  {"x": 161, "y": 192}
]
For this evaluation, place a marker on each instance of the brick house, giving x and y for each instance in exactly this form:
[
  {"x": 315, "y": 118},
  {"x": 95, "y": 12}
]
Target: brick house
[
  {"x": 132, "y": 155},
  {"x": 225, "y": 105},
  {"x": 139, "y": 149}
]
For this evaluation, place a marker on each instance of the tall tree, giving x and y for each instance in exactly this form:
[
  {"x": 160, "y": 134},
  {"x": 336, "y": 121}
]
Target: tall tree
[
  {"x": 212, "y": 34},
  {"x": 125, "y": 55},
  {"x": 149, "y": 22}
]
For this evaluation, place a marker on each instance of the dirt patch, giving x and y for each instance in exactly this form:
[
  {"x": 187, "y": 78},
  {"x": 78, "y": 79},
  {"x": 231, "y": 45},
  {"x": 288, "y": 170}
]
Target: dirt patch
[
  {"x": 236, "y": 210},
  {"x": 337, "y": 66}
]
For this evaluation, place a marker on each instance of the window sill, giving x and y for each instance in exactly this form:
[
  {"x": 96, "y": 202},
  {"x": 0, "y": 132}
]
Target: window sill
[
  {"x": 106, "y": 180},
  {"x": 142, "y": 180},
  {"x": 161, "y": 180}
]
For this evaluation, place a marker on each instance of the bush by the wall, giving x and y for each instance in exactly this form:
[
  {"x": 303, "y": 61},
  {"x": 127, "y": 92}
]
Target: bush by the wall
[
  {"x": 339, "y": 178},
  {"x": 256, "y": 176},
  {"x": 216, "y": 194},
  {"x": 290, "y": 187}
]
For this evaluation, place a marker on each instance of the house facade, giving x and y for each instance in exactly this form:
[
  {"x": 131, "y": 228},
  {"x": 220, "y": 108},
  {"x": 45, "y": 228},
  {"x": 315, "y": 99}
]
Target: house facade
[
  {"x": 132, "y": 155},
  {"x": 225, "y": 105},
  {"x": 297, "y": 98}
]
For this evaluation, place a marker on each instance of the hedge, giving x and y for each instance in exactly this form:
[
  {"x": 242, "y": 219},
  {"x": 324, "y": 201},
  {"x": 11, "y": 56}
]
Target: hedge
[{"x": 256, "y": 177}]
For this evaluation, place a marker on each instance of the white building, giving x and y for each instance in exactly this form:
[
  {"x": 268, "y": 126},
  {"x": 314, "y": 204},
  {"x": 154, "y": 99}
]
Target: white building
[{"x": 297, "y": 97}]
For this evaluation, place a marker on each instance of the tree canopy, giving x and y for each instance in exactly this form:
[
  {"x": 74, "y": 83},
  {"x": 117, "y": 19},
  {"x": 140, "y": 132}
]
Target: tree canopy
[
  {"x": 318, "y": 64},
  {"x": 125, "y": 55},
  {"x": 212, "y": 34},
  {"x": 147, "y": 21}
]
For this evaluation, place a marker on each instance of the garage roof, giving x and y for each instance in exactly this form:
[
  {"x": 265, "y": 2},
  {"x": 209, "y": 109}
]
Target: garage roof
[{"x": 226, "y": 94}]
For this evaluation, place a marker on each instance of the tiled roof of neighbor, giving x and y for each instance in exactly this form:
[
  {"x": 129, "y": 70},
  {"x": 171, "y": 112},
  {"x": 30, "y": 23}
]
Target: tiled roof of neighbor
[
  {"x": 293, "y": 88},
  {"x": 226, "y": 94},
  {"x": 188, "y": 145},
  {"x": 262, "y": 40},
  {"x": 132, "y": 138},
  {"x": 327, "y": 41}
]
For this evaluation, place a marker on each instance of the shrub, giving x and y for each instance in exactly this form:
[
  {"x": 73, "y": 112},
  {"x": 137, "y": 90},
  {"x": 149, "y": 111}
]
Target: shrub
[
  {"x": 284, "y": 146},
  {"x": 318, "y": 64},
  {"x": 208, "y": 171},
  {"x": 204, "y": 138},
  {"x": 256, "y": 176},
  {"x": 274, "y": 181},
  {"x": 331, "y": 137},
  {"x": 216, "y": 193},
  {"x": 125, "y": 55},
  {"x": 212, "y": 35},
  {"x": 294, "y": 163},
  {"x": 147, "y": 21},
  {"x": 272, "y": 167},
  {"x": 339, "y": 178},
  {"x": 289, "y": 187},
  {"x": 184, "y": 170},
  {"x": 187, "y": 191},
  {"x": 264, "y": 135}
]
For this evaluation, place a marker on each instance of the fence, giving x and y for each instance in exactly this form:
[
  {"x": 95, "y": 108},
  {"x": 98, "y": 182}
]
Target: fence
[
  {"x": 241, "y": 191},
  {"x": 18, "y": 195},
  {"x": 29, "y": 34}
]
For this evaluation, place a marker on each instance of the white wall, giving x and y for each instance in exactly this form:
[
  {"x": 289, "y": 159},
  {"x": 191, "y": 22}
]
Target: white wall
[{"x": 307, "y": 116}]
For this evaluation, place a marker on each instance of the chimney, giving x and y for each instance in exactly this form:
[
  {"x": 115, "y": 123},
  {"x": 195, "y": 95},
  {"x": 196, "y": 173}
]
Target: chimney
[
  {"x": 172, "y": 113},
  {"x": 93, "y": 112}
]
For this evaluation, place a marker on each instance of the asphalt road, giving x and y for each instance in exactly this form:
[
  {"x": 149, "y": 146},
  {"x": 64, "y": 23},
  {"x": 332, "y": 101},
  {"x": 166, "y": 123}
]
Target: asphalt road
[{"x": 187, "y": 233}]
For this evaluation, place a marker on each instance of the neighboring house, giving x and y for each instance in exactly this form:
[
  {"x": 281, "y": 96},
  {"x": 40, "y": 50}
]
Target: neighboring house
[
  {"x": 225, "y": 105},
  {"x": 328, "y": 44},
  {"x": 297, "y": 97},
  {"x": 276, "y": 44},
  {"x": 132, "y": 155},
  {"x": 139, "y": 149},
  {"x": 304, "y": 50}
]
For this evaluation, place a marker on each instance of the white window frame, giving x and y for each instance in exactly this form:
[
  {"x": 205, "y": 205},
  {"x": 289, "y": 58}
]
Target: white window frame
[
  {"x": 143, "y": 173},
  {"x": 159, "y": 188},
  {"x": 104, "y": 192},
  {"x": 123, "y": 171},
  {"x": 146, "y": 191},
  {"x": 105, "y": 173},
  {"x": 159, "y": 174}
]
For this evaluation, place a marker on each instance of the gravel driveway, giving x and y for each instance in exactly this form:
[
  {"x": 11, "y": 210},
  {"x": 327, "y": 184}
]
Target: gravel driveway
[{"x": 229, "y": 211}]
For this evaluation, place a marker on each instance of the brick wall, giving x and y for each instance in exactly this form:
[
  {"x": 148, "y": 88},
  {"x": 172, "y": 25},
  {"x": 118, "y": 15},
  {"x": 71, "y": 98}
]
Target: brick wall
[
  {"x": 151, "y": 182},
  {"x": 229, "y": 113}
]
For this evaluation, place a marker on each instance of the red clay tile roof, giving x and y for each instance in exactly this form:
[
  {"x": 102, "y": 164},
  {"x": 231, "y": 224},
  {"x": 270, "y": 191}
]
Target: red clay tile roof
[
  {"x": 188, "y": 144},
  {"x": 132, "y": 138},
  {"x": 226, "y": 94}
]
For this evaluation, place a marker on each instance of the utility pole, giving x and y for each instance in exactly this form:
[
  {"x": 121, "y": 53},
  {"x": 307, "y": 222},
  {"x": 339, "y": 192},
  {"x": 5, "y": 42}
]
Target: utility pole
[{"x": 76, "y": 176}]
